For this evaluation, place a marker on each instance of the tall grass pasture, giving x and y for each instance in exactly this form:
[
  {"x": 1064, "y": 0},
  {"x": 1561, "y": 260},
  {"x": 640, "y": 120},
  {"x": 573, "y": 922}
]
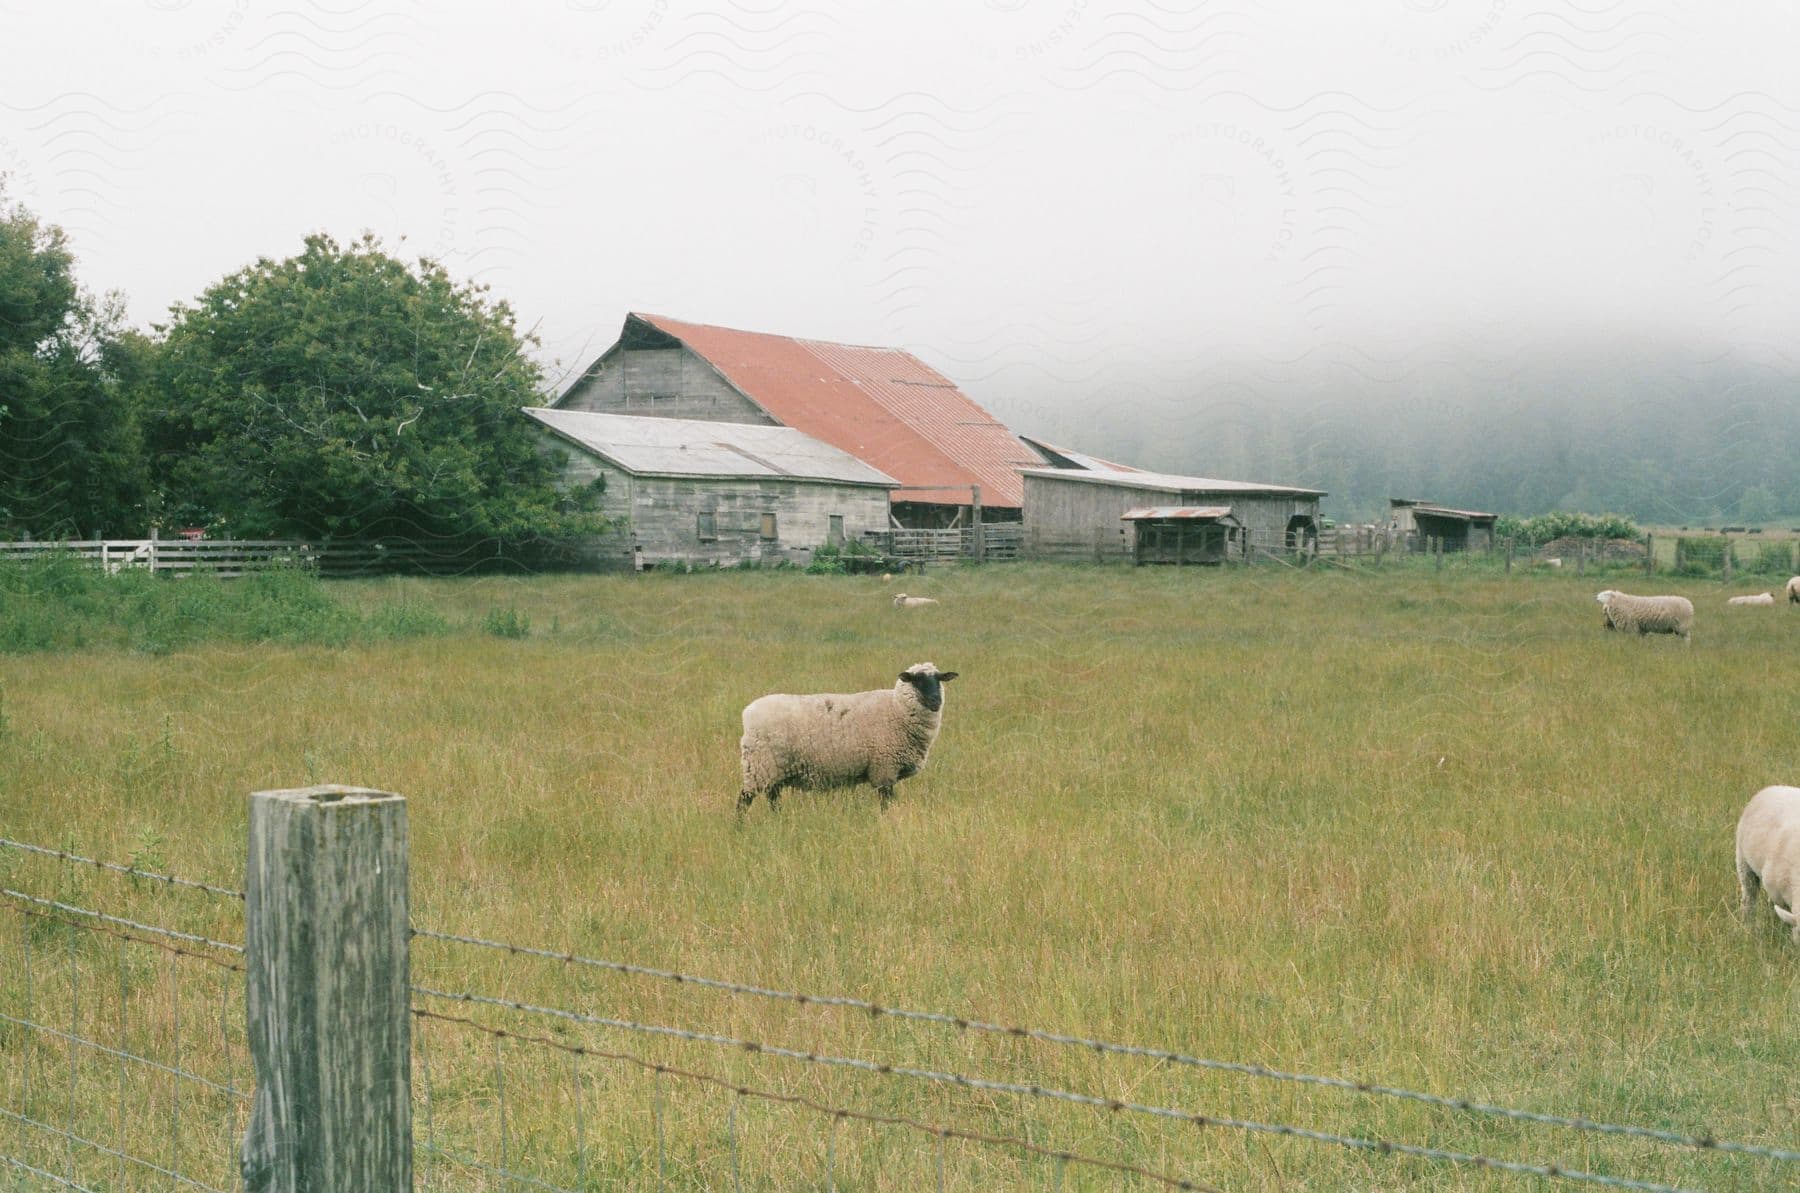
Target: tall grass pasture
[{"x": 1428, "y": 829}]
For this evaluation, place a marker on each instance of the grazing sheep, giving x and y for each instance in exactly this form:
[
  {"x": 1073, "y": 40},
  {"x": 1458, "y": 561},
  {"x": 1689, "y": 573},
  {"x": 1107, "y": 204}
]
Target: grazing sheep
[
  {"x": 815, "y": 742},
  {"x": 1793, "y": 590},
  {"x": 902, "y": 601},
  {"x": 1648, "y": 614},
  {"x": 1761, "y": 598},
  {"x": 1768, "y": 853}
]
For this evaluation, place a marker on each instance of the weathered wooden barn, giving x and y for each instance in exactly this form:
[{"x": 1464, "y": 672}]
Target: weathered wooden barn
[
  {"x": 949, "y": 458},
  {"x": 1125, "y": 515},
  {"x": 1414, "y": 523},
  {"x": 699, "y": 492}
]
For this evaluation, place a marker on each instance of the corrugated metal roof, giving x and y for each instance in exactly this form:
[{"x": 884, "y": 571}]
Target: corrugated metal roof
[
  {"x": 1444, "y": 511},
  {"x": 1168, "y": 482},
  {"x": 692, "y": 447},
  {"x": 1197, "y": 513},
  {"x": 1078, "y": 459},
  {"x": 882, "y": 405}
]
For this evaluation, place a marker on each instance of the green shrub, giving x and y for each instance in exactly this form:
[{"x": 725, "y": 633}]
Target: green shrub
[
  {"x": 506, "y": 623},
  {"x": 1544, "y": 528},
  {"x": 1772, "y": 559},
  {"x": 405, "y": 619}
]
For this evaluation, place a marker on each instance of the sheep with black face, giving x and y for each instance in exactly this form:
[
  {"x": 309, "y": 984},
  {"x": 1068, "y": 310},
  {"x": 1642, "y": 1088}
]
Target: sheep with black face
[{"x": 825, "y": 740}]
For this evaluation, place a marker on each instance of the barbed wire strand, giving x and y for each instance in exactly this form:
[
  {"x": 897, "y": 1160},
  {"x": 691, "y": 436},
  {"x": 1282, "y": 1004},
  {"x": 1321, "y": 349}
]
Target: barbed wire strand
[
  {"x": 49, "y": 1176},
  {"x": 1114, "y": 1105},
  {"x": 182, "y": 1178},
  {"x": 116, "y": 868},
  {"x": 877, "y": 1010},
  {"x": 113, "y": 932},
  {"x": 170, "y": 933},
  {"x": 74, "y": 1040},
  {"x": 837, "y": 1113}
]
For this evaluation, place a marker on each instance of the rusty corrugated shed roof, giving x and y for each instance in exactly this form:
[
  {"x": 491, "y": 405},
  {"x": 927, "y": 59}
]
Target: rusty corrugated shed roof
[
  {"x": 883, "y": 406},
  {"x": 1157, "y": 513}
]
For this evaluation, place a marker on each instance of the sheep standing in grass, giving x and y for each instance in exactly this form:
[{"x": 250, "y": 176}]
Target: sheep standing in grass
[
  {"x": 1768, "y": 853},
  {"x": 1793, "y": 590},
  {"x": 902, "y": 601},
  {"x": 1648, "y": 614},
  {"x": 821, "y": 741},
  {"x": 1761, "y": 598}
]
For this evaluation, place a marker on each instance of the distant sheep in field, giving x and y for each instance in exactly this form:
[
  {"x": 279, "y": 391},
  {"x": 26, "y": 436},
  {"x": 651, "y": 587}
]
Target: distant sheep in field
[
  {"x": 1648, "y": 614},
  {"x": 902, "y": 601},
  {"x": 1768, "y": 853},
  {"x": 1793, "y": 590},
  {"x": 1761, "y": 598},
  {"x": 821, "y": 741}
]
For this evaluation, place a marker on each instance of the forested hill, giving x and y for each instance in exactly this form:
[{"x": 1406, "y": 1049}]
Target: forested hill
[{"x": 1661, "y": 438}]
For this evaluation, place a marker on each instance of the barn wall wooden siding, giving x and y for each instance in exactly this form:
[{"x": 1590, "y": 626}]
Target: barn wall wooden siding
[
  {"x": 657, "y": 518},
  {"x": 1079, "y": 520},
  {"x": 665, "y": 383}
]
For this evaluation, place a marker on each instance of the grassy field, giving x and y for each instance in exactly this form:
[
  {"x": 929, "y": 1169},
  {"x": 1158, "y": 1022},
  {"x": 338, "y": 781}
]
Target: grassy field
[{"x": 1435, "y": 830}]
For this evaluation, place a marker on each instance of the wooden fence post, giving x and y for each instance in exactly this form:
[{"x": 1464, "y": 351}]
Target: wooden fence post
[
  {"x": 1649, "y": 554},
  {"x": 1438, "y": 544},
  {"x": 326, "y": 992},
  {"x": 1509, "y": 554},
  {"x": 1580, "y": 557},
  {"x": 1725, "y": 558}
]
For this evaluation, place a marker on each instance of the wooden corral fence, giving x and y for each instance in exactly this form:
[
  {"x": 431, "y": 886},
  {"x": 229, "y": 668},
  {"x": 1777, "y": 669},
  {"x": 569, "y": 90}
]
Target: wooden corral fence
[
  {"x": 988, "y": 541},
  {"x": 237, "y": 557}
]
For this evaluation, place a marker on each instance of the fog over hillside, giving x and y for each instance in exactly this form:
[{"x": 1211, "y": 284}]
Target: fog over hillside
[{"x": 1514, "y": 254}]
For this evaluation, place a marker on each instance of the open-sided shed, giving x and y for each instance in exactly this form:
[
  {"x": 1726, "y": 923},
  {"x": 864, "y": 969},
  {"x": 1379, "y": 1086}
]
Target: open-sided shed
[
  {"x": 1183, "y": 534},
  {"x": 1414, "y": 523}
]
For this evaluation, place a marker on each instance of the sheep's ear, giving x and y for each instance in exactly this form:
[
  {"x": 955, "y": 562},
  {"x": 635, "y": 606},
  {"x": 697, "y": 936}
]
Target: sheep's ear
[
  {"x": 946, "y": 676},
  {"x": 908, "y": 676}
]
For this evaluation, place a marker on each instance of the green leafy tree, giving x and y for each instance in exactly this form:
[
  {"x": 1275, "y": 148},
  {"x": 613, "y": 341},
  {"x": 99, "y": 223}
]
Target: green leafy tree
[
  {"x": 342, "y": 393},
  {"x": 70, "y": 460}
]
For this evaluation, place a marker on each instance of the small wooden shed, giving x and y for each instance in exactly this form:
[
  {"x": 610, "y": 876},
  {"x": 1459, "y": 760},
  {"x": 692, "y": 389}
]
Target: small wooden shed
[
  {"x": 1414, "y": 523},
  {"x": 713, "y": 493},
  {"x": 1183, "y": 534}
]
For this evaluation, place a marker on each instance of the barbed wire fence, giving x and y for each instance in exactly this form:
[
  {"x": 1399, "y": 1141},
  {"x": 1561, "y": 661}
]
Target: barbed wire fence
[
  {"x": 123, "y": 1038},
  {"x": 131, "y": 1059}
]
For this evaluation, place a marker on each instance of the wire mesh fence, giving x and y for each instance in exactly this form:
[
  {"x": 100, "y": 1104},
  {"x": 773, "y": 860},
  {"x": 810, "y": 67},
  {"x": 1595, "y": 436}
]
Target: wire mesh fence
[
  {"x": 123, "y": 1025},
  {"x": 123, "y": 1034}
]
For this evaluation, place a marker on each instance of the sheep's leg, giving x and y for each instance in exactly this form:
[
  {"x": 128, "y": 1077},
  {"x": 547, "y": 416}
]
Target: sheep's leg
[
  {"x": 774, "y": 797},
  {"x": 886, "y": 792},
  {"x": 746, "y": 797},
  {"x": 1748, "y": 882}
]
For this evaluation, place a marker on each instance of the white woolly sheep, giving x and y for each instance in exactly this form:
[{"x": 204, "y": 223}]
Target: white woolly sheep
[
  {"x": 1648, "y": 614},
  {"x": 827, "y": 740},
  {"x": 1793, "y": 590},
  {"x": 902, "y": 601},
  {"x": 1768, "y": 853},
  {"x": 1761, "y": 598}
]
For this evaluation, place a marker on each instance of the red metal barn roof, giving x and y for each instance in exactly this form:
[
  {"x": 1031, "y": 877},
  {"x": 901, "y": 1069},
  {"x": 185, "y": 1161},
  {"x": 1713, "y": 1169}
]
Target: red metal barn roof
[{"x": 884, "y": 406}]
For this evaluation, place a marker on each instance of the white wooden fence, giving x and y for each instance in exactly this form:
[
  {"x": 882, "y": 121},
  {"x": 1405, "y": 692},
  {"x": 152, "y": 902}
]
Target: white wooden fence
[{"x": 236, "y": 557}]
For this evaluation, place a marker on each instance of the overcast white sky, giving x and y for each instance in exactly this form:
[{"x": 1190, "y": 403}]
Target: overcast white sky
[{"x": 1061, "y": 203}]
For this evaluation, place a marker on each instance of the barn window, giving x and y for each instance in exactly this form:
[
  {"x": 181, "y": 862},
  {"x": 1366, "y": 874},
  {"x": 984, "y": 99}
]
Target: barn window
[
  {"x": 705, "y": 527},
  {"x": 835, "y": 536},
  {"x": 768, "y": 526}
]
